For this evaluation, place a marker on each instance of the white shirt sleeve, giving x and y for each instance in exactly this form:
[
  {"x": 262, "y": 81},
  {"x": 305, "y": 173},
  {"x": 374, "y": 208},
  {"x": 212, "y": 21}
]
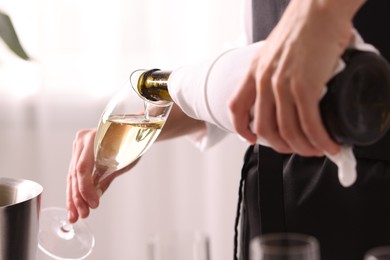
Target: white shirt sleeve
[
  {"x": 195, "y": 87},
  {"x": 203, "y": 90},
  {"x": 209, "y": 137}
]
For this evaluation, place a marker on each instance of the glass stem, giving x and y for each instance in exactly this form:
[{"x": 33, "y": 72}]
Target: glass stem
[{"x": 66, "y": 230}]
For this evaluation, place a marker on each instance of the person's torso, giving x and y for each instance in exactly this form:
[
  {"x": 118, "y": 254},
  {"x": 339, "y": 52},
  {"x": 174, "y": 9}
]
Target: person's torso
[{"x": 314, "y": 199}]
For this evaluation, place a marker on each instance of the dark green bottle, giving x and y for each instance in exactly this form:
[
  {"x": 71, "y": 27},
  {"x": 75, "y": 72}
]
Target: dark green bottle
[
  {"x": 153, "y": 85},
  {"x": 356, "y": 107}
]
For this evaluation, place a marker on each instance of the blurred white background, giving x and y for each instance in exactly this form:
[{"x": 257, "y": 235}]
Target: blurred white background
[{"x": 82, "y": 51}]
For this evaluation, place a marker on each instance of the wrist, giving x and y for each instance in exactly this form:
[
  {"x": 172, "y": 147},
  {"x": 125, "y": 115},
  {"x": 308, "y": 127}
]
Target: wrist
[
  {"x": 341, "y": 10},
  {"x": 335, "y": 16}
]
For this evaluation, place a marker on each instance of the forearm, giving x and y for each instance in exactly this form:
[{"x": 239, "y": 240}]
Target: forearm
[
  {"x": 332, "y": 15},
  {"x": 179, "y": 124}
]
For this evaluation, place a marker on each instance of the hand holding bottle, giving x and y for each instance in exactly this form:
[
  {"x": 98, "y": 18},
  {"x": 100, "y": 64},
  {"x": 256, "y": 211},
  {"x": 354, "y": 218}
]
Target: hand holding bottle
[{"x": 287, "y": 77}]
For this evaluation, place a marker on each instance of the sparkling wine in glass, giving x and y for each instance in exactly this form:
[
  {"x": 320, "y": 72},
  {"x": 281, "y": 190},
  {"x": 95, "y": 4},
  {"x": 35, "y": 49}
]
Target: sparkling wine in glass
[
  {"x": 284, "y": 246},
  {"x": 127, "y": 128}
]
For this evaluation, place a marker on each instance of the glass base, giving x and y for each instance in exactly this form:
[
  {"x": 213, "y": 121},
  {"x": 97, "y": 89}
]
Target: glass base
[{"x": 61, "y": 240}]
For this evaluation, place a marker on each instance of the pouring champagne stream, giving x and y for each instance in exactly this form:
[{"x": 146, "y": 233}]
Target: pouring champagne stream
[{"x": 128, "y": 126}]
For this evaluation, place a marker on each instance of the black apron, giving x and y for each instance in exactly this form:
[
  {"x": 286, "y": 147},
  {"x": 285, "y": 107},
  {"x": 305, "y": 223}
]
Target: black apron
[{"x": 290, "y": 193}]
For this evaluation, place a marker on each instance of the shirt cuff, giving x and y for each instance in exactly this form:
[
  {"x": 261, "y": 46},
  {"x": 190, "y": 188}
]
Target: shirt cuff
[{"x": 209, "y": 137}]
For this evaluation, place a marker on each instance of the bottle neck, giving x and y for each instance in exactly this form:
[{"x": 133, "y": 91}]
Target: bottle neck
[{"x": 153, "y": 85}]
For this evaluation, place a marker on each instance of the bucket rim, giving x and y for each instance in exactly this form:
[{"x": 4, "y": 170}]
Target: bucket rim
[{"x": 34, "y": 189}]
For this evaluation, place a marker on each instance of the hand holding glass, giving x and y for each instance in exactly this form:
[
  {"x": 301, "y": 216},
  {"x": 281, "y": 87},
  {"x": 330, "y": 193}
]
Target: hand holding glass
[{"x": 128, "y": 127}]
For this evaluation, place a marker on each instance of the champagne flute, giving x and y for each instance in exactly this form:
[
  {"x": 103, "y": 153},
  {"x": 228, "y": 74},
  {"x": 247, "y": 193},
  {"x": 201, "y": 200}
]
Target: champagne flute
[
  {"x": 127, "y": 128},
  {"x": 284, "y": 246},
  {"x": 378, "y": 253},
  {"x": 178, "y": 245}
]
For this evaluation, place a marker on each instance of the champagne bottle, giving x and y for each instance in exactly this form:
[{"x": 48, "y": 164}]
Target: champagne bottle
[{"x": 355, "y": 109}]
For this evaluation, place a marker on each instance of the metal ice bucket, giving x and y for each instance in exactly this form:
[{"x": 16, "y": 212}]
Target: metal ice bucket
[{"x": 19, "y": 218}]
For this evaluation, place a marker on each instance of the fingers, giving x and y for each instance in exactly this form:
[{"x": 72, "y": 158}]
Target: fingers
[
  {"x": 84, "y": 171},
  {"x": 314, "y": 129},
  {"x": 290, "y": 121},
  {"x": 256, "y": 94},
  {"x": 81, "y": 193},
  {"x": 240, "y": 106},
  {"x": 286, "y": 113},
  {"x": 291, "y": 132},
  {"x": 71, "y": 188},
  {"x": 297, "y": 97},
  {"x": 84, "y": 188},
  {"x": 72, "y": 210},
  {"x": 266, "y": 124}
]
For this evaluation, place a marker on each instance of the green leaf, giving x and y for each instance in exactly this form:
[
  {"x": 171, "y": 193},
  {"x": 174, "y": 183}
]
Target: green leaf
[{"x": 9, "y": 36}]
